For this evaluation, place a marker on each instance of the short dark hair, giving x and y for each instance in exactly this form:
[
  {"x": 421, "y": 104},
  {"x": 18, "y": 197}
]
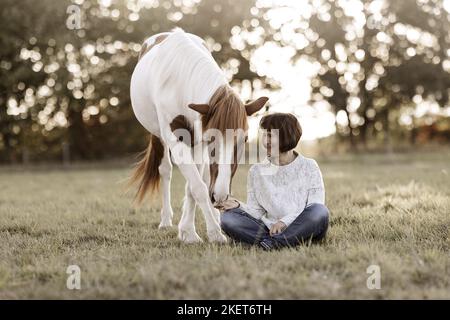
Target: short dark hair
[{"x": 289, "y": 128}]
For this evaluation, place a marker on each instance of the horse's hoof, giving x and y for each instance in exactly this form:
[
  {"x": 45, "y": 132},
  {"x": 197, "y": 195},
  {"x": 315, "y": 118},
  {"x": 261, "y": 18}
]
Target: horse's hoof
[
  {"x": 217, "y": 237},
  {"x": 189, "y": 236},
  {"x": 166, "y": 219},
  {"x": 165, "y": 224}
]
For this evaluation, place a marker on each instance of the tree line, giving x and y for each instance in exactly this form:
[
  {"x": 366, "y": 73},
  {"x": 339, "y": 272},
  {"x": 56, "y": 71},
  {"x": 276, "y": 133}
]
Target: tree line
[{"x": 66, "y": 66}]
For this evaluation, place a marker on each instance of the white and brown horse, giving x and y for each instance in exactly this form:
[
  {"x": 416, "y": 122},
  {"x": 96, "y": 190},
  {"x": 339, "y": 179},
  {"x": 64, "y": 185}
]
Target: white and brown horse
[{"x": 177, "y": 85}]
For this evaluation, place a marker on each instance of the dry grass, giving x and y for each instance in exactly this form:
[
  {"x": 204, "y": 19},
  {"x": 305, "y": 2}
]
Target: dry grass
[{"x": 390, "y": 211}]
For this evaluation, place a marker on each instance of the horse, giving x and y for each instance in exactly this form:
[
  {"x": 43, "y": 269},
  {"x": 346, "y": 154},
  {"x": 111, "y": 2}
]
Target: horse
[{"x": 175, "y": 85}]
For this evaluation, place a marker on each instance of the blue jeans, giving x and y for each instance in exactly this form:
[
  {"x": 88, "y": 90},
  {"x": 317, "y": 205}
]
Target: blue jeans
[{"x": 311, "y": 224}]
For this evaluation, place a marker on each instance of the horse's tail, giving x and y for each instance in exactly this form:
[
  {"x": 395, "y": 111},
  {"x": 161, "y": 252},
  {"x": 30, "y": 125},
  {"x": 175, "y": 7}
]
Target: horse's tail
[{"x": 146, "y": 170}]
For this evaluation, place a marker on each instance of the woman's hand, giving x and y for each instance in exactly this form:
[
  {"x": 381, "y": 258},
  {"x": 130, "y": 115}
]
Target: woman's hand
[
  {"x": 277, "y": 227},
  {"x": 229, "y": 203}
]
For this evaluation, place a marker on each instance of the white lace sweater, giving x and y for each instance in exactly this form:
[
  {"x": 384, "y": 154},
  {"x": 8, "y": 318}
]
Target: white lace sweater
[{"x": 282, "y": 192}]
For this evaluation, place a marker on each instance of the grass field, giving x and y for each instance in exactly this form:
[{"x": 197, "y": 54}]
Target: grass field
[{"x": 391, "y": 211}]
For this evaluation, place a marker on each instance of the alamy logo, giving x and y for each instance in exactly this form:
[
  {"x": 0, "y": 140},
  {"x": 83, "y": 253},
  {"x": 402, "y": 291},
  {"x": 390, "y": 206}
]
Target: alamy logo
[
  {"x": 374, "y": 280},
  {"x": 73, "y": 21},
  {"x": 74, "y": 278}
]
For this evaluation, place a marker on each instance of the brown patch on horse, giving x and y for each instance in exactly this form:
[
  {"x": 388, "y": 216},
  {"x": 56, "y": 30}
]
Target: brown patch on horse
[
  {"x": 226, "y": 111},
  {"x": 146, "y": 48},
  {"x": 181, "y": 122}
]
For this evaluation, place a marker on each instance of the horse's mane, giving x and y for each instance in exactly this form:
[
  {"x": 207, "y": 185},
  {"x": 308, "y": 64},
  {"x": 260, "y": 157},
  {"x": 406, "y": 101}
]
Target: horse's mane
[{"x": 226, "y": 111}]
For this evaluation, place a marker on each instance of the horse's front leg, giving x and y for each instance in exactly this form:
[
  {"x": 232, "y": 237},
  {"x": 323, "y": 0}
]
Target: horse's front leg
[
  {"x": 207, "y": 179},
  {"x": 186, "y": 227},
  {"x": 182, "y": 157}
]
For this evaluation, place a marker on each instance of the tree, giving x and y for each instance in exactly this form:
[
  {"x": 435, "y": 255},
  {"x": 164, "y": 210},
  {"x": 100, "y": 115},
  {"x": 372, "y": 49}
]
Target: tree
[
  {"x": 68, "y": 89},
  {"x": 374, "y": 56}
]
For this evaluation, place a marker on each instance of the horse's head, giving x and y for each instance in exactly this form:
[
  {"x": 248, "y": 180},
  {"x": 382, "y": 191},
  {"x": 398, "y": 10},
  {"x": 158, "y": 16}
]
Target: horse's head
[{"x": 225, "y": 128}]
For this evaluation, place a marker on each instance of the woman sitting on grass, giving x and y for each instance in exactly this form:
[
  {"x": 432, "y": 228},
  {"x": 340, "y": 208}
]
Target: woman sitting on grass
[{"x": 285, "y": 195}]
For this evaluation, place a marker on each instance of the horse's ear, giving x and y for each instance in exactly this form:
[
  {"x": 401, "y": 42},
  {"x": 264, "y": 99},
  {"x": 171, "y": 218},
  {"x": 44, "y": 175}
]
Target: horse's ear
[
  {"x": 200, "y": 108},
  {"x": 256, "y": 105}
]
